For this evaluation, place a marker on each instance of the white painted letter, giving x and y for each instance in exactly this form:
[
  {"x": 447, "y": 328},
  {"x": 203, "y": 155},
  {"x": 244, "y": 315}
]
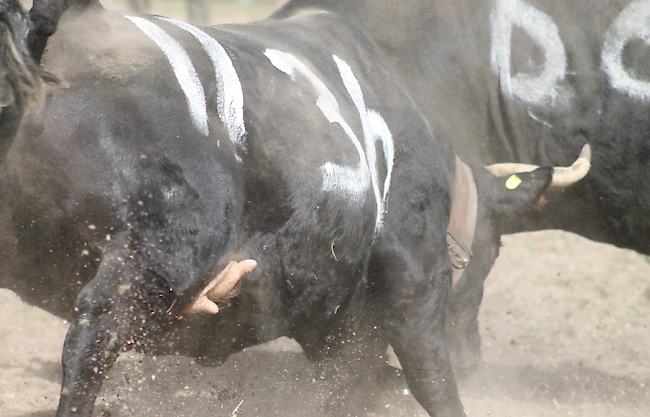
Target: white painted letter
[
  {"x": 349, "y": 182},
  {"x": 374, "y": 129},
  {"x": 633, "y": 22},
  {"x": 542, "y": 88}
]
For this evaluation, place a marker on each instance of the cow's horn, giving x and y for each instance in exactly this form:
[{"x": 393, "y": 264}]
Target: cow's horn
[{"x": 563, "y": 177}]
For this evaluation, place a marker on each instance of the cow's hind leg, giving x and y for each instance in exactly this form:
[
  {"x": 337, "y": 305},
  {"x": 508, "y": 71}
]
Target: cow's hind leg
[
  {"x": 410, "y": 284},
  {"x": 122, "y": 304}
]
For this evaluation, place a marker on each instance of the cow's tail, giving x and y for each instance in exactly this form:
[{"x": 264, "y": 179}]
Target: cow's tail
[{"x": 21, "y": 79}]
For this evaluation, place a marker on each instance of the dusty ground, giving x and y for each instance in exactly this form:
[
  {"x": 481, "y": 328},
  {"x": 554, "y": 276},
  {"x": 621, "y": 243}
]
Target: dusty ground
[{"x": 564, "y": 326}]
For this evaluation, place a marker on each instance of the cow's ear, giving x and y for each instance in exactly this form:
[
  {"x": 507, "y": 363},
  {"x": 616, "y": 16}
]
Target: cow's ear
[{"x": 514, "y": 194}]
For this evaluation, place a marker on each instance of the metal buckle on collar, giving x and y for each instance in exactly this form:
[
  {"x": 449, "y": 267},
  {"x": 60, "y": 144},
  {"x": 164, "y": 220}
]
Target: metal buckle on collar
[{"x": 459, "y": 253}]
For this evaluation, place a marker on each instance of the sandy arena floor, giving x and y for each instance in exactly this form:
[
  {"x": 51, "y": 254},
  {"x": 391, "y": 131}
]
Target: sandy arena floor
[{"x": 564, "y": 325}]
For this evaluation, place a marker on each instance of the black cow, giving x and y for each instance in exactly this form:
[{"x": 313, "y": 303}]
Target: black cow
[{"x": 167, "y": 153}]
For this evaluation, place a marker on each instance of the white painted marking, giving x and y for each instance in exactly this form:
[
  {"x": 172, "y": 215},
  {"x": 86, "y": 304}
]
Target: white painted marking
[
  {"x": 183, "y": 69},
  {"x": 348, "y": 182},
  {"x": 374, "y": 129},
  {"x": 230, "y": 96},
  {"x": 633, "y": 22},
  {"x": 543, "y": 88},
  {"x": 539, "y": 119}
]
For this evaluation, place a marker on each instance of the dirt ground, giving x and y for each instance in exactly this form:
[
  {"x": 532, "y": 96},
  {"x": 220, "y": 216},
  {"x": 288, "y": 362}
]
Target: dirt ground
[{"x": 564, "y": 325}]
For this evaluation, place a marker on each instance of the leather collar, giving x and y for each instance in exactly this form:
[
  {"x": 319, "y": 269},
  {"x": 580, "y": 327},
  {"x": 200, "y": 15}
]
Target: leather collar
[{"x": 462, "y": 222}]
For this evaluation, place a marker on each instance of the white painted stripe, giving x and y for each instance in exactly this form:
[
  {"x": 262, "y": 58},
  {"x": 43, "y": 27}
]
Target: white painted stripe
[
  {"x": 183, "y": 69},
  {"x": 633, "y": 22},
  {"x": 345, "y": 181},
  {"x": 374, "y": 129},
  {"x": 230, "y": 97}
]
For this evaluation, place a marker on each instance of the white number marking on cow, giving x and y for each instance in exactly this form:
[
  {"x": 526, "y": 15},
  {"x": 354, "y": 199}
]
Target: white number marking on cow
[
  {"x": 230, "y": 97},
  {"x": 633, "y": 22},
  {"x": 542, "y": 88},
  {"x": 183, "y": 69},
  {"x": 374, "y": 129},
  {"x": 347, "y": 181}
]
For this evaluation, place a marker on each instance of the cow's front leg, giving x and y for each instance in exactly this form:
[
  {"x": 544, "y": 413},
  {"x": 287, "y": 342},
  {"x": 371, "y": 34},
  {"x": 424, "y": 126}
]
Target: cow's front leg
[
  {"x": 466, "y": 296},
  {"x": 45, "y": 16},
  {"x": 465, "y": 302},
  {"x": 462, "y": 324},
  {"x": 410, "y": 289}
]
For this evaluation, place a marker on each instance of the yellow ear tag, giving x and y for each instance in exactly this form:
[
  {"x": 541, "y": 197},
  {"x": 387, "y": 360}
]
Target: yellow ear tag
[{"x": 513, "y": 182}]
